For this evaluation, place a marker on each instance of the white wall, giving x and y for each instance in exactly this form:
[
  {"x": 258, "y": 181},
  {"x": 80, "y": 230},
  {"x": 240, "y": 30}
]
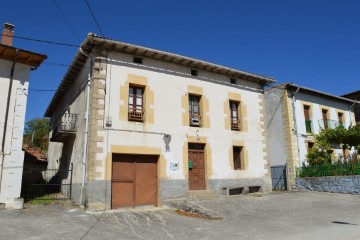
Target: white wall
[
  {"x": 169, "y": 86},
  {"x": 14, "y": 156}
]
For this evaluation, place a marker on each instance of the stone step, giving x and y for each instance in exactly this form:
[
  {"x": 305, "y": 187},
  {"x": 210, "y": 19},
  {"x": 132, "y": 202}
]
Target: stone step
[{"x": 201, "y": 194}]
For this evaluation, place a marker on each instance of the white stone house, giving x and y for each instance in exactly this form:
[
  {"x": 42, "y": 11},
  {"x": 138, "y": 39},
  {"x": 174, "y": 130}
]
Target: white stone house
[
  {"x": 141, "y": 126},
  {"x": 294, "y": 114},
  {"x": 15, "y": 67}
]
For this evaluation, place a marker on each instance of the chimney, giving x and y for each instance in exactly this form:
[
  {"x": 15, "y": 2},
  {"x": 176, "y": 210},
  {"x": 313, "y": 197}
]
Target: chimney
[{"x": 7, "y": 34}]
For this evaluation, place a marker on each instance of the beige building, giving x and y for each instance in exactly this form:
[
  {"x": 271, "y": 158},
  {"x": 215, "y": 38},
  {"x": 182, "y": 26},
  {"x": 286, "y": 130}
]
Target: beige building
[{"x": 141, "y": 126}]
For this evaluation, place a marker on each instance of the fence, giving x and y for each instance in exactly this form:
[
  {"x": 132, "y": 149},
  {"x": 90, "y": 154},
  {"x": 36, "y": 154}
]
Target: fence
[
  {"x": 341, "y": 169},
  {"x": 47, "y": 183}
]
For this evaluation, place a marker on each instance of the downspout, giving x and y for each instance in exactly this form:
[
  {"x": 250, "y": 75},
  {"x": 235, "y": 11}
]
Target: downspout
[
  {"x": 82, "y": 193},
  {"x": 351, "y": 107},
  {"x": 7, "y": 115},
  {"x": 295, "y": 123}
]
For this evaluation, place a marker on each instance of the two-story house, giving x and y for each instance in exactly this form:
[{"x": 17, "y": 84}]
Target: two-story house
[
  {"x": 294, "y": 114},
  {"x": 15, "y": 67},
  {"x": 142, "y": 125}
]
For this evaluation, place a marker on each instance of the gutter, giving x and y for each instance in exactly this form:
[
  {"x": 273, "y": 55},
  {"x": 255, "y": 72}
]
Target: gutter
[
  {"x": 82, "y": 193},
  {"x": 7, "y": 115}
]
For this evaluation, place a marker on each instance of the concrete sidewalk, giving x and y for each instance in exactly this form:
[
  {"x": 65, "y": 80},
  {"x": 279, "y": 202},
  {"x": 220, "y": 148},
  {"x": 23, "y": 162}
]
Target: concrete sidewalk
[{"x": 289, "y": 215}]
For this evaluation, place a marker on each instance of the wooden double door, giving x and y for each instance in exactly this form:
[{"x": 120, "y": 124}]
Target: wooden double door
[
  {"x": 196, "y": 158},
  {"x": 134, "y": 180}
]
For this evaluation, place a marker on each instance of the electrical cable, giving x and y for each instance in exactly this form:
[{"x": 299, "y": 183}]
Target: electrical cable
[
  {"x": 42, "y": 41},
  {"x": 67, "y": 22},
  {"x": 92, "y": 13}
]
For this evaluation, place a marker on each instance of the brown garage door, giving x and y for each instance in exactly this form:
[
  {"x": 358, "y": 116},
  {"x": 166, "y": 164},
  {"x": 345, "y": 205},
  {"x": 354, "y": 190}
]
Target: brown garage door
[
  {"x": 134, "y": 180},
  {"x": 196, "y": 167}
]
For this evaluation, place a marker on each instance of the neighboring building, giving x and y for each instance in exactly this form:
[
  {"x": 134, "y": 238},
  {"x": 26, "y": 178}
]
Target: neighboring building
[
  {"x": 294, "y": 114},
  {"x": 355, "y": 96},
  {"x": 158, "y": 125},
  {"x": 15, "y": 67}
]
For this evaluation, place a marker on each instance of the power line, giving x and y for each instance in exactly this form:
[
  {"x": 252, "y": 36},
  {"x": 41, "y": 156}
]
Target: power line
[
  {"x": 42, "y": 41},
  {"x": 67, "y": 22},
  {"x": 88, "y": 5}
]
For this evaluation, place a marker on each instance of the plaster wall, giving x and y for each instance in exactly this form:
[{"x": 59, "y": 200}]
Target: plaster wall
[
  {"x": 170, "y": 85},
  {"x": 12, "y": 166},
  {"x": 61, "y": 155}
]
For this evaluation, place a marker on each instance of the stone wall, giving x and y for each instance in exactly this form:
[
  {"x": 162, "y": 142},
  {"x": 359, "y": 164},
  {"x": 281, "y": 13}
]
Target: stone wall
[{"x": 338, "y": 184}]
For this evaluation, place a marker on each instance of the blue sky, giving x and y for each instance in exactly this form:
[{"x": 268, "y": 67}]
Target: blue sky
[{"x": 311, "y": 43}]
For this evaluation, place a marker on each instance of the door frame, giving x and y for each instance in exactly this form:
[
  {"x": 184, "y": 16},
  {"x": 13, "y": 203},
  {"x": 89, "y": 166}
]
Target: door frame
[
  {"x": 204, "y": 150},
  {"x": 158, "y": 163}
]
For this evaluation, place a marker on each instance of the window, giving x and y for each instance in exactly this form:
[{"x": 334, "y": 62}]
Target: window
[
  {"x": 325, "y": 118},
  {"x": 194, "y": 72},
  {"x": 136, "y": 102},
  {"x": 237, "y": 158},
  {"x": 138, "y": 60},
  {"x": 310, "y": 145},
  {"x": 341, "y": 119},
  {"x": 234, "y": 115},
  {"x": 308, "y": 123},
  {"x": 194, "y": 110},
  {"x": 232, "y": 81}
]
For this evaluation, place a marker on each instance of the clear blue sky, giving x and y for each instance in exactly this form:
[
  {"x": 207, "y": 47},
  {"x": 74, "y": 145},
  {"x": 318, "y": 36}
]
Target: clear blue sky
[{"x": 312, "y": 43}]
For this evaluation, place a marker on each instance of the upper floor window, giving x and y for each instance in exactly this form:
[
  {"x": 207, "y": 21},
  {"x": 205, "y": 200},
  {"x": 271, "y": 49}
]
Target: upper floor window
[
  {"x": 234, "y": 115},
  {"x": 136, "y": 104},
  {"x": 341, "y": 119},
  {"x": 325, "y": 118},
  {"x": 308, "y": 122},
  {"x": 194, "y": 110}
]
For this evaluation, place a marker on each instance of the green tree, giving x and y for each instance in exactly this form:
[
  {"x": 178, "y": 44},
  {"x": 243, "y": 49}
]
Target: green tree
[
  {"x": 327, "y": 138},
  {"x": 37, "y": 132}
]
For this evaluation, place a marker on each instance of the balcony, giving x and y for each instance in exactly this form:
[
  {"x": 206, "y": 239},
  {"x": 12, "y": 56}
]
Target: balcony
[
  {"x": 309, "y": 127},
  {"x": 195, "y": 119},
  {"x": 326, "y": 123},
  {"x": 136, "y": 115},
  {"x": 65, "y": 128},
  {"x": 235, "y": 124}
]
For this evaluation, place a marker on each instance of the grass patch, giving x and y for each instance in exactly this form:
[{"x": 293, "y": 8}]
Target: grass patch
[{"x": 44, "y": 200}]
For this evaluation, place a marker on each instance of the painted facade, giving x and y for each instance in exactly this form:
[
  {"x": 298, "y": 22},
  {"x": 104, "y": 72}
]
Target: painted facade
[
  {"x": 164, "y": 131},
  {"x": 355, "y": 96},
  {"x": 15, "y": 66},
  {"x": 294, "y": 114}
]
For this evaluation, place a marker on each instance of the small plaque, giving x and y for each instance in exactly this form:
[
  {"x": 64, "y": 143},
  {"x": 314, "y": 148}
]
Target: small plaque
[
  {"x": 174, "y": 166},
  {"x": 190, "y": 164}
]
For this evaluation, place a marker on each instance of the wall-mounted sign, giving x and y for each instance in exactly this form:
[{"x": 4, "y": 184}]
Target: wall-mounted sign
[{"x": 174, "y": 166}]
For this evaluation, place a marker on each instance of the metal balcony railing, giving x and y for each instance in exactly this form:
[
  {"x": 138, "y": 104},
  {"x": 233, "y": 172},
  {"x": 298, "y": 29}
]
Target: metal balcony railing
[
  {"x": 65, "y": 128},
  {"x": 136, "y": 114},
  {"x": 195, "y": 119},
  {"x": 235, "y": 124},
  {"x": 326, "y": 123}
]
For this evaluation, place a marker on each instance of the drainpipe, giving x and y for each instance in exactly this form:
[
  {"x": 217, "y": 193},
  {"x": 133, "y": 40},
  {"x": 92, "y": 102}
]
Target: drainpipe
[
  {"x": 295, "y": 123},
  {"x": 7, "y": 115},
  {"x": 82, "y": 193},
  {"x": 351, "y": 107}
]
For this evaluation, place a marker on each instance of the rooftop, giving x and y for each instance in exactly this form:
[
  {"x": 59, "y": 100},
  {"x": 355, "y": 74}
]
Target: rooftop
[{"x": 92, "y": 41}]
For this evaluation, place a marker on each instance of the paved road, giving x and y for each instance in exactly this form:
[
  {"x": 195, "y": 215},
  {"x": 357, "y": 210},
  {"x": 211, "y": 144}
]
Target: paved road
[{"x": 292, "y": 215}]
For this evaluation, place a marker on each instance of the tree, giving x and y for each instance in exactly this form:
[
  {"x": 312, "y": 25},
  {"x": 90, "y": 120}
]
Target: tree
[
  {"x": 327, "y": 138},
  {"x": 37, "y": 132}
]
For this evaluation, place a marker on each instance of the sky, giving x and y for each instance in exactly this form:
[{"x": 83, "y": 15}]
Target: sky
[{"x": 311, "y": 43}]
